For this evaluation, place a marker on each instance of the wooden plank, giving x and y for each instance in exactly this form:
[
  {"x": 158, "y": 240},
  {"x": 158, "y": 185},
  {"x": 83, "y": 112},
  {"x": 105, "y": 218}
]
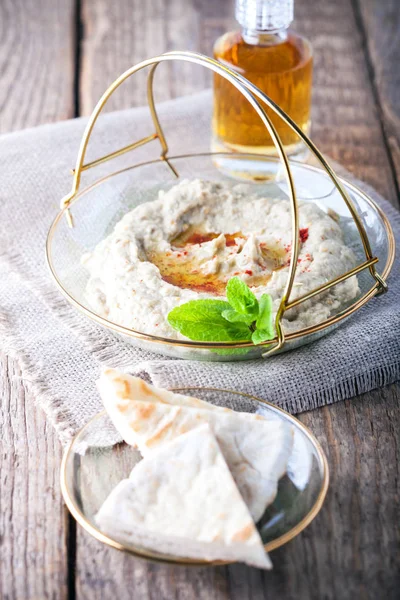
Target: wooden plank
[
  {"x": 380, "y": 22},
  {"x": 346, "y": 123},
  {"x": 36, "y": 62},
  {"x": 360, "y": 556},
  {"x": 36, "y": 86},
  {"x": 120, "y": 34},
  {"x": 33, "y": 551}
]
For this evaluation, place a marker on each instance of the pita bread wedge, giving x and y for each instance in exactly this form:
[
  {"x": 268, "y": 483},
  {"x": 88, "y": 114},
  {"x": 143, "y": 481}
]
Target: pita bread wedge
[
  {"x": 256, "y": 450},
  {"x": 117, "y": 389},
  {"x": 181, "y": 500},
  {"x": 121, "y": 386}
]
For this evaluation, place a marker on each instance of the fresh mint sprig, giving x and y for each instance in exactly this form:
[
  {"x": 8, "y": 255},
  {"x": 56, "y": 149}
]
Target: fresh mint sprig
[{"x": 239, "y": 319}]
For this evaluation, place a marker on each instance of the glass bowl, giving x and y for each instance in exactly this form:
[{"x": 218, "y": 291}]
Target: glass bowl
[
  {"x": 95, "y": 461},
  {"x": 97, "y": 208}
]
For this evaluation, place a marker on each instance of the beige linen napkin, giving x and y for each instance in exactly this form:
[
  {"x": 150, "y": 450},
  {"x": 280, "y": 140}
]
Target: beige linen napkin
[{"x": 61, "y": 352}]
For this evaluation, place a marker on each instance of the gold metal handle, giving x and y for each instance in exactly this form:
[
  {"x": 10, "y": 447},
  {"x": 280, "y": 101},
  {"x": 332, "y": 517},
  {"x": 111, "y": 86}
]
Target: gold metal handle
[{"x": 254, "y": 96}]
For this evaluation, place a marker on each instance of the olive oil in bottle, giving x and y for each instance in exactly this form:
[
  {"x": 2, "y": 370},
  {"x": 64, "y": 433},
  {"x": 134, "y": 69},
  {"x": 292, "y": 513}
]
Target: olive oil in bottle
[{"x": 276, "y": 60}]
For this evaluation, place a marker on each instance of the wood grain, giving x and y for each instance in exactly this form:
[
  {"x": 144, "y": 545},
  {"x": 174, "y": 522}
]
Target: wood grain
[
  {"x": 36, "y": 86},
  {"x": 33, "y": 551},
  {"x": 120, "y": 34},
  {"x": 351, "y": 550},
  {"x": 36, "y": 62},
  {"x": 380, "y": 23},
  {"x": 345, "y": 114}
]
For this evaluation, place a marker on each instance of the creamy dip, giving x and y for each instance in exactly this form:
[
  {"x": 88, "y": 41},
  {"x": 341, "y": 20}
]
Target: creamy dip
[{"x": 194, "y": 237}]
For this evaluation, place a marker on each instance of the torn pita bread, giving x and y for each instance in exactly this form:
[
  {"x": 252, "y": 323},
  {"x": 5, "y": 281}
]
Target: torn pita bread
[
  {"x": 256, "y": 450},
  {"x": 181, "y": 500},
  {"x": 114, "y": 386},
  {"x": 121, "y": 386}
]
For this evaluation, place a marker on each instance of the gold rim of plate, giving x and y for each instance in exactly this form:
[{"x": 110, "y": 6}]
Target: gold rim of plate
[
  {"x": 170, "y": 559},
  {"x": 373, "y": 291}
]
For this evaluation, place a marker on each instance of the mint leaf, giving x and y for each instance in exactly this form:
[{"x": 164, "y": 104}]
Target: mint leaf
[
  {"x": 264, "y": 319},
  {"x": 234, "y": 317},
  {"x": 202, "y": 320},
  {"x": 241, "y": 298},
  {"x": 260, "y": 335}
]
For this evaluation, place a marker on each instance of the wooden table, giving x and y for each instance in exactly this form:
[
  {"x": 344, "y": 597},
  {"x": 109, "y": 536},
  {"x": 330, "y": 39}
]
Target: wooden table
[{"x": 56, "y": 58}]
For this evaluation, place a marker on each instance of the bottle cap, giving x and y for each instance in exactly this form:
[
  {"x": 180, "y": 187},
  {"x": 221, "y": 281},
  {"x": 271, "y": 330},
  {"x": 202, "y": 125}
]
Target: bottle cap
[{"x": 264, "y": 15}]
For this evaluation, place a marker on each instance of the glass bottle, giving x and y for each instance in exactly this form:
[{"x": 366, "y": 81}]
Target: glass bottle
[{"x": 276, "y": 60}]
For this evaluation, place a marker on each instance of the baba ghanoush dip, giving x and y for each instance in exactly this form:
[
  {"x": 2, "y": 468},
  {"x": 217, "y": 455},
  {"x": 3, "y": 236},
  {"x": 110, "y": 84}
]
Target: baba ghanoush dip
[{"x": 193, "y": 238}]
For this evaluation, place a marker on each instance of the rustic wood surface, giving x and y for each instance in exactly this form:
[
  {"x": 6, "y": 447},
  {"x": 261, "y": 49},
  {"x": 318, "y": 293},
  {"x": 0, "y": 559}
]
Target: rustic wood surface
[
  {"x": 37, "y": 54},
  {"x": 56, "y": 57}
]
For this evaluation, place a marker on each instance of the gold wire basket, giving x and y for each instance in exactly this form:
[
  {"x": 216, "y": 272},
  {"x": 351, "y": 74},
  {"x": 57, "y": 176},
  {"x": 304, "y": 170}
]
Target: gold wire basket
[{"x": 71, "y": 222}]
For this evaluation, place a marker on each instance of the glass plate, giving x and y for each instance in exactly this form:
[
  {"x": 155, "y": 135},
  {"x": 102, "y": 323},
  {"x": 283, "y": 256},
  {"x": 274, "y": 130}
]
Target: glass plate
[
  {"x": 99, "y": 207},
  {"x": 95, "y": 461}
]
